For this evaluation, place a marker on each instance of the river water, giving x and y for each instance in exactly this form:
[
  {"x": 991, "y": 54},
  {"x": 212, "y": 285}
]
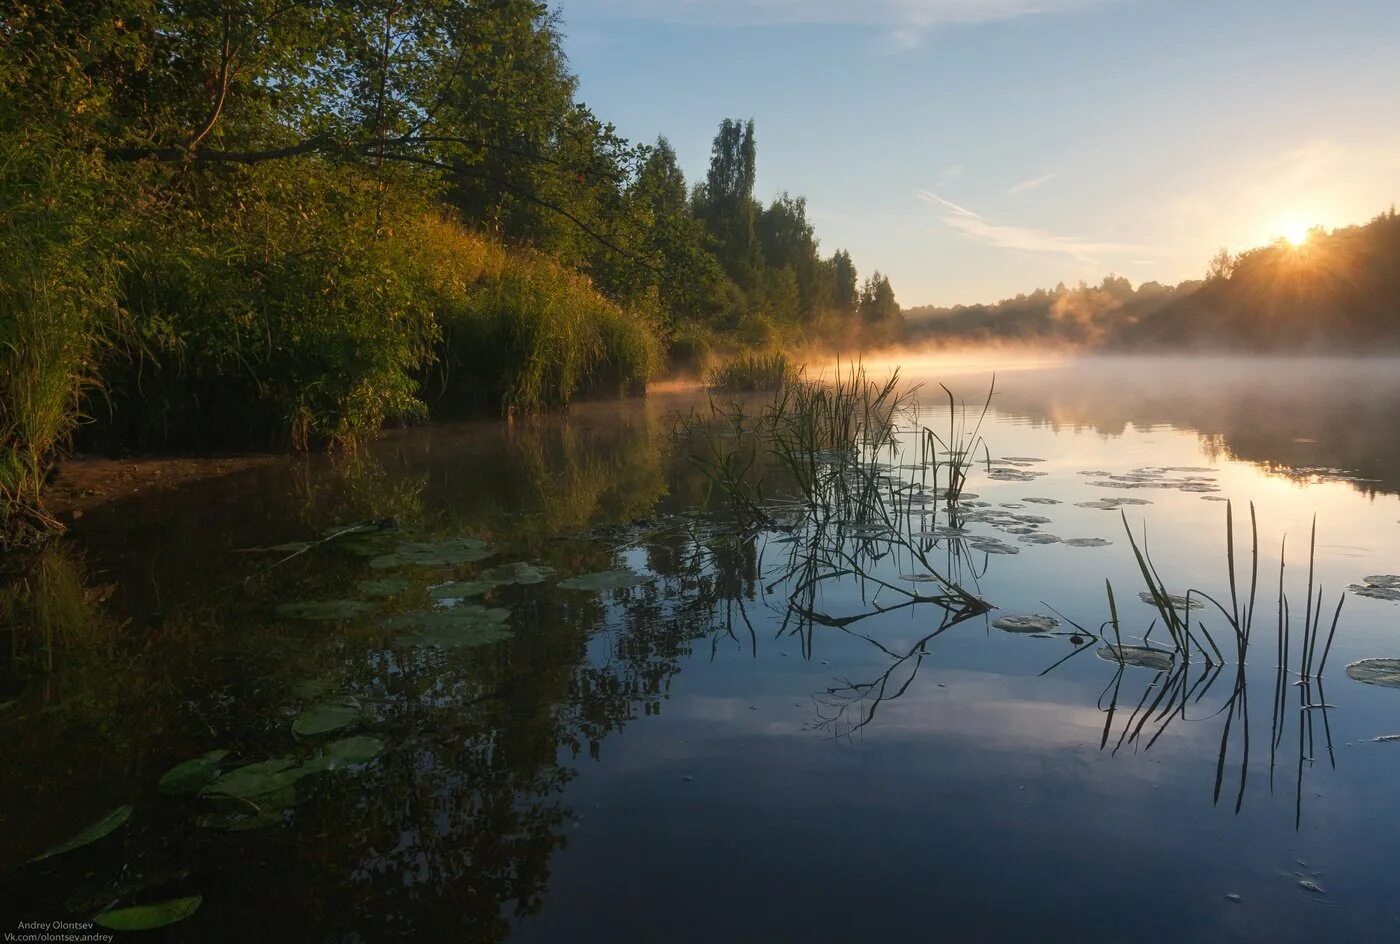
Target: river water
[{"x": 688, "y": 749}]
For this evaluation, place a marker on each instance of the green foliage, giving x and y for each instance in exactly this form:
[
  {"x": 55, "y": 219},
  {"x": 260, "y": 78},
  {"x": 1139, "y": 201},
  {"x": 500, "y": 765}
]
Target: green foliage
[{"x": 57, "y": 302}]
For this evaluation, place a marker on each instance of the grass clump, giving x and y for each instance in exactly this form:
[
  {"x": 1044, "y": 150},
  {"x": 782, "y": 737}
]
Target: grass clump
[{"x": 749, "y": 373}]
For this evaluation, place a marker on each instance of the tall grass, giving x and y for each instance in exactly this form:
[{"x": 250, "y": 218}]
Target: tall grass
[
  {"x": 57, "y": 300},
  {"x": 752, "y": 372}
]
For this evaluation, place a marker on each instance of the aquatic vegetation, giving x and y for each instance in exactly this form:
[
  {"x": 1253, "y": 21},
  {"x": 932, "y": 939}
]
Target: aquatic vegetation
[
  {"x": 1026, "y": 624},
  {"x": 347, "y": 752},
  {"x": 149, "y": 917},
  {"x": 327, "y": 717},
  {"x": 325, "y": 610},
  {"x": 257, "y": 779},
  {"x": 1143, "y": 656},
  {"x": 384, "y": 587},
  {"x": 434, "y": 554},
  {"x": 523, "y": 573},
  {"x": 189, "y": 776},
  {"x": 461, "y": 589},
  {"x": 1086, "y": 542},
  {"x": 1378, "y": 587},
  {"x": 598, "y": 582},
  {"x": 459, "y": 627},
  {"x": 750, "y": 373},
  {"x": 1384, "y": 672},
  {"x": 103, "y": 827}
]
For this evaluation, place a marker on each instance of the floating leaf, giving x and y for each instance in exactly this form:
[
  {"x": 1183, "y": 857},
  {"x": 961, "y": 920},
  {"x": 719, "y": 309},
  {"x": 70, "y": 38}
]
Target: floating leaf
[
  {"x": 992, "y": 546},
  {"x": 192, "y": 774},
  {"x": 1378, "y": 587},
  {"x": 257, "y": 779},
  {"x": 460, "y": 589},
  {"x": 441, "y": 554},
  {"x": 519, "y": 572},
  {"x": 323, "y": 719},
  {"x": 312, "y": 688},
  {"x": 604, "y": 580},
  {"x": 1038, "y": 537},
  {"x": 347, "y": 752},
  {"x": 1086, "y": 542},
  {"x": 384, "y": 587},
  {"x": 96, "y": 831},
  {"x": 325, "y": 610},
  {"x": 455, "y": 628},
  {"x": 1384, "y": 672},
  {"x": 149, "y": 917},
  {"x": 1175, "y": 599},
  {"x": 1026, "y": 624},
  {"x": 1143, "y": 656}
]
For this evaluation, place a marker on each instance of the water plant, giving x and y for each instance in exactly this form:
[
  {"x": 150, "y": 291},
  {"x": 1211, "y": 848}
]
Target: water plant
[{"x": 752, "y": 372}]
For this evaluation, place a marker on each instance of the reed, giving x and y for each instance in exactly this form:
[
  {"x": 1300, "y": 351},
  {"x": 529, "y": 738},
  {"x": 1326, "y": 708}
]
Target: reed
[{"x": 752, "y": 373}]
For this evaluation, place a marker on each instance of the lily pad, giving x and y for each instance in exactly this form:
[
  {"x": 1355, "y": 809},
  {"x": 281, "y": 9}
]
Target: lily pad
[
  {"x": 1026, "y": 624},
  {"x": 347, "y": 752},
  {"x": 312, "y": 688},
  {"x": 1142, "y": 656},
  {"x": 1175, "y": 599},
  {"x": 992, "y": 546},
  {"x": 1038, "y": 537},
  {"x": 325, "y": 718},
  {"x": 1378, "y": 587},
  {"x": 1384, "y": 672},
  {"x": 1087, "y": 542},
  {"x": 254, "y": 780},
  {"x": 324, "y": 610},
  {"x": 149, "y": 917},
  {"x": 1042, "y": 501},
  {"x": 384, "y": 587},
  {"x": 440, "y": 554},
  {"x": 519, "y": 572},
  {"x": 460, "y": 627},
  {"x": 192, "y": 774},
  {"x": 96, "y": 831},
  {"x": 460, "y": 589},
  {"x": 604, "y": 580}
]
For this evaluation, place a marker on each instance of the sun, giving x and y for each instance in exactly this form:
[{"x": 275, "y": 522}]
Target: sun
[{"x": 1296, "y": 234}]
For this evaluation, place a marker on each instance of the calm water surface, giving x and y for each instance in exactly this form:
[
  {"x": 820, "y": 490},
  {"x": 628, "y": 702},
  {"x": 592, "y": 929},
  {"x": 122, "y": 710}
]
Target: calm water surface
[{"x": 688, "y": 758}]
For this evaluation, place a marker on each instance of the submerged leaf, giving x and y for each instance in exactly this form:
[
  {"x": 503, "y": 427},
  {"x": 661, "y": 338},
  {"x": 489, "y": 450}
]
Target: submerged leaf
[
  {"x": 1026, "y": 624},
  {"x": 1384, "y": 672},
  {"x": 604, "y": 580},
  {"x": 192, "y": 774},
  {"x": 149, "y": 917},
  {"x": 96, "y": 831},
  {"x": 1142, "y": 656},
  {"x": 265, "y": 810}
]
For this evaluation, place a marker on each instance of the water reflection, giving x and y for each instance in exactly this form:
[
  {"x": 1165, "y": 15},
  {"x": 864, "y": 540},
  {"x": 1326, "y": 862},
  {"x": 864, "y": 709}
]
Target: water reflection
[{"x": 666, "y": 724}]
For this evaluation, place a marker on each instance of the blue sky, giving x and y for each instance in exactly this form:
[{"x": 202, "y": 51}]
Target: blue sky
[{"x": 973, "y": 149}]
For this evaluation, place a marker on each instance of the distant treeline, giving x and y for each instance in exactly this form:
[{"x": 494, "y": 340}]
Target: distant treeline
[
  {"x": 1337, "y": 291},
  {"x": 278, "y": 224}
]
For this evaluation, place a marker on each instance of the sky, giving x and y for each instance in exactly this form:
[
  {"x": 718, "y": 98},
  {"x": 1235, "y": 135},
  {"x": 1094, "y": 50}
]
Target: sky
[{"x": 974, "y": 149}]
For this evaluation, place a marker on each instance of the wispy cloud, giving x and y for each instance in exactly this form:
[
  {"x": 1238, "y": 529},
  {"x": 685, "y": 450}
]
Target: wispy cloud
[
  {"x": 1025, "y": 239},
  {"x": 905, "y": 21},
  {"x": 1031, "y": 184}
]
